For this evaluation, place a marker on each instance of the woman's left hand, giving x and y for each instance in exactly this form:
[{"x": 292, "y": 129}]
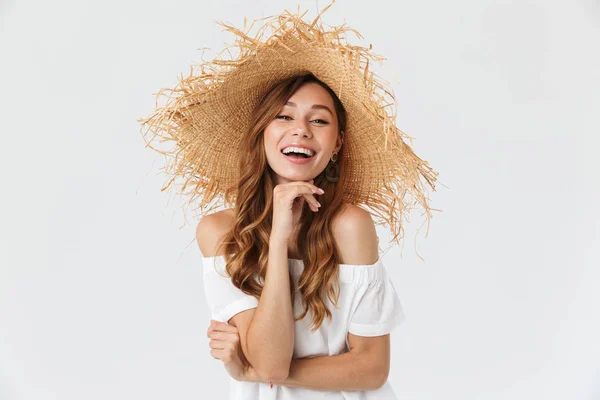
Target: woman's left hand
[{"x": 225, "y": 346}]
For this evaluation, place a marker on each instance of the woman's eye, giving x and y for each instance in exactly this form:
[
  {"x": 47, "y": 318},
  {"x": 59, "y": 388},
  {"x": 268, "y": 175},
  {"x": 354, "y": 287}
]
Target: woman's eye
[{"x": 285, "y": 116}]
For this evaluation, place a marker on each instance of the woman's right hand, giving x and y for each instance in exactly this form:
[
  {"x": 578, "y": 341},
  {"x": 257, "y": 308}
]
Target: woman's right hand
[{"x": 288, "y": 199}]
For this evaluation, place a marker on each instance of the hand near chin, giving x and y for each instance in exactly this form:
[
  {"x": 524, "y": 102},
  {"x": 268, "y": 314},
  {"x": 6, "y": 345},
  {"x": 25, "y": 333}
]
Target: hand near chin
[{"x": 287, "y": 202}]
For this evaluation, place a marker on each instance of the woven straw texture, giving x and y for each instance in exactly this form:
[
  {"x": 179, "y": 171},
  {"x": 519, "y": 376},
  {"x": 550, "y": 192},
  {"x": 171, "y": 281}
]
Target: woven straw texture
[{"x": 207, "y": 113}]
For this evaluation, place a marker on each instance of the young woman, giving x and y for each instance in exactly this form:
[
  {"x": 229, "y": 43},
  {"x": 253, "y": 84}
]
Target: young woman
[
  {"x": 350, "y": 349},
  {"x": 297, "y": 135}
]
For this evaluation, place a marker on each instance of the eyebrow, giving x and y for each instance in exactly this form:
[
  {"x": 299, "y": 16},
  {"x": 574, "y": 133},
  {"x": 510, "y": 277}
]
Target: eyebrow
[{"x": 315, "y": 106}]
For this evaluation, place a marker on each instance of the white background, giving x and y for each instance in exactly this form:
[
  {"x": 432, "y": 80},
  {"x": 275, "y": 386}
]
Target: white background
[{"x": 100, "y": 282}]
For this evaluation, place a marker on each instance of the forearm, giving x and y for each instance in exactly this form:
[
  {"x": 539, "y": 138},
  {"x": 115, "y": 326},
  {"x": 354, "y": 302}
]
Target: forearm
[
  {"x": 346, "y": 371},
  {"x": 270, "y": 337}
]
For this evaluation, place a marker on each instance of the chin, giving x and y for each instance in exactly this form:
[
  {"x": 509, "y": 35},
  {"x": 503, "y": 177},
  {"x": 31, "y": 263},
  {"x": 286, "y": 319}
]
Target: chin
[
  {"x": 297, "y": 173},
  {"x": 294, "y": 175},
  {"x": 297, "y": 176}
]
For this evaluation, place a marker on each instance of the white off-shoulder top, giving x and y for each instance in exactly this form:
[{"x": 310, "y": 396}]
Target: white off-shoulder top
[{"x": 368, "y": 306}]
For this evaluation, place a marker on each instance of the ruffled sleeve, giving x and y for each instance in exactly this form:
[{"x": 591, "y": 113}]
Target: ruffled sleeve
[
  {"x": 378, "y": 309},
  {"x": 223, "y": 298}
]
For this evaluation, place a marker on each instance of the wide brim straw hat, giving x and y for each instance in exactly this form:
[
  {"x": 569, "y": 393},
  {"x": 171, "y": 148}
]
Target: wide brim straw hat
[{"x": 208, "y": 112}]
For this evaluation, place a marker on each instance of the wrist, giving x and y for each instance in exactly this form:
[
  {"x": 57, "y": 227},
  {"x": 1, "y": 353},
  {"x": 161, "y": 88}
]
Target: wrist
[{"x": 278, "y": 242}]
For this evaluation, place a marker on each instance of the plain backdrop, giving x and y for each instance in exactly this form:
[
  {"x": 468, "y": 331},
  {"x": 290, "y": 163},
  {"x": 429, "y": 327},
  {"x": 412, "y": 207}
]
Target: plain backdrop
[{"x": 100, "y": 278}]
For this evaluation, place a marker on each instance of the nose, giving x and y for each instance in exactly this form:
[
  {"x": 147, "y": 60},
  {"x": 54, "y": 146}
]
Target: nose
[{"x": 302, "y": 128}]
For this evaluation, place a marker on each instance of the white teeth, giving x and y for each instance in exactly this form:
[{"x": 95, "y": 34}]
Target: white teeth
[{"x": 308, "y": 152}]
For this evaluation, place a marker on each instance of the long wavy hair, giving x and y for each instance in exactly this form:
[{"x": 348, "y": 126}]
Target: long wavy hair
[{"x": 247, "y": 242}]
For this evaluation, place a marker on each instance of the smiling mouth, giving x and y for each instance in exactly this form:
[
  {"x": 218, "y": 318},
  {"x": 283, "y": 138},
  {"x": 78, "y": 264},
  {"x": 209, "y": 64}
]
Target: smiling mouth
[
  {"x": 298, "y": 156},
  {"x": 298, "y": 159}
]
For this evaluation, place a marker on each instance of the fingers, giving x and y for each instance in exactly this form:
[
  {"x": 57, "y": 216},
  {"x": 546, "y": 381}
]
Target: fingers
[
  {"x": 312, "y": 188},
  {"x": 222, "y": 345},
  {"x": 220, "y": 338},
  {"x": 216, "y": 353},
  {"x": 224, "y": 340},
  {"x": 315, "y": 188},
  {"x": 220, "y": 326},
  {"x": 230, "y": 336},
  {"x": 217, "y": 344},
  {"x": 307, "y": 190},
  {"x": 312, "y": 202},
  {"x": 303, "y": 189},
  {"x": 223, "y": 355}
]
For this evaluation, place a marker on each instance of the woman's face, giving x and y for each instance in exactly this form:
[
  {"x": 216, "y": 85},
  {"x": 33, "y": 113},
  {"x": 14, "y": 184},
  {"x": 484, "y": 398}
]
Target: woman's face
[{"x": 308, "y": 120}]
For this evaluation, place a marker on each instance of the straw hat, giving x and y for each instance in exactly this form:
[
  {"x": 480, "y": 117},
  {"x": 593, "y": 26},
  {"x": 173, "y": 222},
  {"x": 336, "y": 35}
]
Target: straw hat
[{"x": 207, "y": 113}]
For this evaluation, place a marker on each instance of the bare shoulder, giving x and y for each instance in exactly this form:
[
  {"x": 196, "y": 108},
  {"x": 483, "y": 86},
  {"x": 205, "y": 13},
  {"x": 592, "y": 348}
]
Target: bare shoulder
[
  {"x": 211, "y": 230},
  {"x": 355, "y": 235}
]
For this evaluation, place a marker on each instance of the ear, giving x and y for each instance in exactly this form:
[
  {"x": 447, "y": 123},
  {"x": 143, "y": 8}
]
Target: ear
[{"x": 339, "y": 142}]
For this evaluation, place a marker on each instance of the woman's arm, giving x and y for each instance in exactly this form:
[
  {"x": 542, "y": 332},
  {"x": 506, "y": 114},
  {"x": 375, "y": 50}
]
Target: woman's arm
[
  {"x": 364, "y": 367},
  {"x": 270, "y": 335},
  {"x": 266, "y": 333}
]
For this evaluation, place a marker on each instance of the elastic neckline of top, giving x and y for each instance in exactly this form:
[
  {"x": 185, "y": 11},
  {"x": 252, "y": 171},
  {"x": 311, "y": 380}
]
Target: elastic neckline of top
[
  {"x": 354, "y": 273},
  {"x": 300, "y": 261}
]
